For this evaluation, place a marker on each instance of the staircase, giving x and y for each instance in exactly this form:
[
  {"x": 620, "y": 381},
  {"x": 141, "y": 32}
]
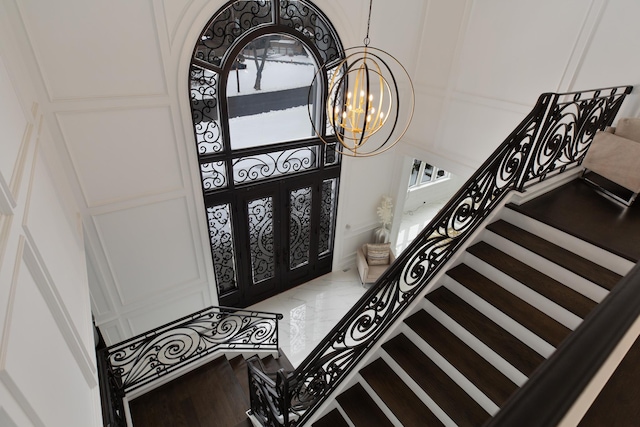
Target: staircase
[
  {"x": 216, "y": 394},
  {"x": 515, "y": 294}
]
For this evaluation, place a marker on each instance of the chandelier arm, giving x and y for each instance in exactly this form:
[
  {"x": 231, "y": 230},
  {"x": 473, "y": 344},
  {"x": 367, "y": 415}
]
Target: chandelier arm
[{"x": 345, "y": 114}]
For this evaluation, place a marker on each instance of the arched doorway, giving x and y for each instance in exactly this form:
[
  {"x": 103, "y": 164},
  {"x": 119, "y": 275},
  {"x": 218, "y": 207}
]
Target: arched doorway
[{"x": 270, "y": 185}]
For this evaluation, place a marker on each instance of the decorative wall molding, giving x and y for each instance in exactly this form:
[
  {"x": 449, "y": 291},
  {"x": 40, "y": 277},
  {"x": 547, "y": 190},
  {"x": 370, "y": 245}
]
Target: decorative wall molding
[
  {"x": 60, "y": 313},
  {"x": 5, "y": 419},
  {"x": 582, "y": 44},
  {"x": 5, "y": 377},
  {"x": 493, "y": 102},
  {"x": 143, "y": 320},
  {"x": 19, "y": 169},
  {"x": 7, "y": 202},
  {"x": 168, "y": 289},
  {"x": 76, "y": 137},
  {"x": 128, "y": 102},
  {"x": 20, "y": 398},
  {"x": 30, "y": 30},
  {"x": 6, "y": 325},
  {"x": 37, "y": 267},
  {"x": 101, "y": 302}
]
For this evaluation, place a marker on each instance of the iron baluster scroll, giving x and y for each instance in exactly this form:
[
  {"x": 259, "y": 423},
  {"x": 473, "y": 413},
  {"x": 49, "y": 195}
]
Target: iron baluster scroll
[
  {"x": 554, "y": 136},
  {"x": 154, "y": 354}
]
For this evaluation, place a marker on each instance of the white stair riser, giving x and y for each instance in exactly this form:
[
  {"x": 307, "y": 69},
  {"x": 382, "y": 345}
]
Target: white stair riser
[
  {"x": 478, "y": 346},
  {"x": 562, "y": 275},
  {"x": 573, "y": 244},
  {"x": 514, "y": 328},
  {"x": 523, "y": 292}
]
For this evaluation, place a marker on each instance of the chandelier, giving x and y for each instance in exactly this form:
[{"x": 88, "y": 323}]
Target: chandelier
[{"x": 363, "y": 107}]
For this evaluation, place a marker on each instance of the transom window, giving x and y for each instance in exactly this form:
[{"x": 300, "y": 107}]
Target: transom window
[{"x": 423, "y": 173}]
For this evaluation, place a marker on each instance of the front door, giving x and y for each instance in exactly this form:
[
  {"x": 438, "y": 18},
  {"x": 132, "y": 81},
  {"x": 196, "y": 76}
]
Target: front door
[
  {"x": 285, "y": 234},
  {"x": 269, "y": 182}
]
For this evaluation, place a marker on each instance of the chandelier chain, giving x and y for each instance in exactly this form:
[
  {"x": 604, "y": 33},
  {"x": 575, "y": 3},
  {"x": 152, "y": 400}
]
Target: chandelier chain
[{"x": 366, "y": 39}]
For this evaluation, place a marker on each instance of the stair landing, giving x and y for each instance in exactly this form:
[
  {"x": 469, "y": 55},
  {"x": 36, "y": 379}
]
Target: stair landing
[
  {"x": 593, "y": 217},
  {"x": 216, "y": 394}
]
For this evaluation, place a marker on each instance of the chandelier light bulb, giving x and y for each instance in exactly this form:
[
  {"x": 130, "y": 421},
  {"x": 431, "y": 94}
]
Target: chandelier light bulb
[{"x": 364, "y": 88}]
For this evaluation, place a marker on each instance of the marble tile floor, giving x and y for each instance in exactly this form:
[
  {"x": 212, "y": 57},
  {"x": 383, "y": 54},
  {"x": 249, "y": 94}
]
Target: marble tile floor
[{"x": 312, "y": 309}]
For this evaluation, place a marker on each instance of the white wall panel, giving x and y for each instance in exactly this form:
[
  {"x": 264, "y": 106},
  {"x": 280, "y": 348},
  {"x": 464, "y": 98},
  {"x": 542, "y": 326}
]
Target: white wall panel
[
  {"x": 122, "y": 154},
  {"x": 149, "y": 248},
  {"x": 13, "y": 127},
  {"x": 5, "y": 419},
  {"x": 437, "y": 50},
  {"x": 174, "y": 11},
  {"x": 167, "y": 312},
  {"x": 38, "y": 361},
  {"x": 112, "y": 333},
  {"x": 112, "y": 46},
  {"x": 395, "y": 21},
  {"x": 472, "y": 131},
  {"x": 516, "y": 50},
  {"x": 612, "y": 56},
  {"x": 427, "y": 116},
  {"x": 50, "y": 226},
  {"x": 101, "y": 304}
]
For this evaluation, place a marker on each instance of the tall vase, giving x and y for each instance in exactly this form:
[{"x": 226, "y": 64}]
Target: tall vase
[{"x": 381, "y": 234}]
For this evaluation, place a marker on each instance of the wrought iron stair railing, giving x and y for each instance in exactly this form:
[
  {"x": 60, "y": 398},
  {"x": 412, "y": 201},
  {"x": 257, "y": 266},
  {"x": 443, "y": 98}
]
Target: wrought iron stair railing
[
  {"x": 553, "y": 137},
  {"x": 151, "y": 356}
]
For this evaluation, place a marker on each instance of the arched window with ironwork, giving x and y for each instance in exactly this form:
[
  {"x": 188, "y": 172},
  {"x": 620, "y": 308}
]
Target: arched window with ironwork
[{"x": 258, "y": 78}]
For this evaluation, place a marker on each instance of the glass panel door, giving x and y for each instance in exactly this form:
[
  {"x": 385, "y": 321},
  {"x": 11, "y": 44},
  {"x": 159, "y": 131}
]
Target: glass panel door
[
  {"x": 299, "y": 227},
  {"x": 259, "y": 242},
  {"x": 261, "y": 239}
]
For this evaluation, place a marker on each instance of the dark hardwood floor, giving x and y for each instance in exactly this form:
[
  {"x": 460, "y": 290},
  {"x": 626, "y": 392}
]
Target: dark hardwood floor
[
  {"x": 577, "y": 209},
  {"x": 213, "y": 395}
]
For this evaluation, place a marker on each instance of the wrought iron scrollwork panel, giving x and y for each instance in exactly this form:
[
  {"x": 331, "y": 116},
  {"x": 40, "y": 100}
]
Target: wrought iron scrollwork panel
[
  {"x": 299, "y": 227},
  {"x": 278, "y": 163},
  {"x": 204, "y": 110},
  {"x": 145, "y": 358},
  {"x": 306, "y": 18},
  {"x": 214, "y": 175},
  {"x": 572, "y": 122},
  {"x": 261, "y": 239},
  {"x": 327, "y": 215},
  {"x": 229, "y": 25},
  {"x": 221, "y": 235}
]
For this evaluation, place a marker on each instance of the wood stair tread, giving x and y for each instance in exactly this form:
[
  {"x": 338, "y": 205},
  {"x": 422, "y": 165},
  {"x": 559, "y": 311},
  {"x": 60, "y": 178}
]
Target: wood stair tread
[
  {"x": 361, "y": 408},
  {"x": 245, "y": 423},
  {"x": 331, "y": 419},
  {"x": 493, "y": 383},
  {"x": 522, "y": 312},
  {"x": 556, "y": 254},
  {"x": 208, "y": 395},
  {"x": 514, "y": 351},
  {"x": 452, "y": 399},
  {"x": 546, "y": 286},
  {"x": 239, "y": 366},
  {"x": 397, "y": 396}
]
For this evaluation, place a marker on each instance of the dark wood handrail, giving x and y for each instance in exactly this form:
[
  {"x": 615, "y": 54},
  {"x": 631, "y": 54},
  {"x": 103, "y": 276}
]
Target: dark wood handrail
[{"x": 552, "y": 389}]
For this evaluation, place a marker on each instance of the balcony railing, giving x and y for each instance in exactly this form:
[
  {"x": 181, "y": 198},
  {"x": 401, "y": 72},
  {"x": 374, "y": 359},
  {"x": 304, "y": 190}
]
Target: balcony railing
[
  {"x": 553, "y": 137},
  {"x": 150, "y": 357}
]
